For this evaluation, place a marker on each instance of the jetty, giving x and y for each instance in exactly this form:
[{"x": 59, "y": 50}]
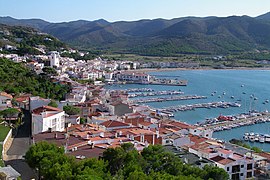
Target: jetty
[
  {"x": 171, "y": 98},
  {"x": 199, "y": 105},
  {"x": 168, "y": 82},
  {"x": 244, "y": 120},
  {"x": 155, "y": 93},
  {"x": 134, "y": 90}
]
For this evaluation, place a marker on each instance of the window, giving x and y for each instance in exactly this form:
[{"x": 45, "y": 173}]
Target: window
[
  {"x": 249, "y": 174},
  {"x": 249, "y": 166},
  {"x": 242, "y": 174},
  {"x": 236, "y": 168},
  {"x": 228, "y": 168},
  {"x": 242, "y": 166}
]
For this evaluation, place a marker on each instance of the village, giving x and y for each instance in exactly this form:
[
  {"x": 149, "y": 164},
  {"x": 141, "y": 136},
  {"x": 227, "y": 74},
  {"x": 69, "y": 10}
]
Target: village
[{"x": 108, "y": 118}]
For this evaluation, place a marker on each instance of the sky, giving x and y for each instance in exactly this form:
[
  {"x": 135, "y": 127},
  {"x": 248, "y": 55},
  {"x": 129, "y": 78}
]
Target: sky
[{"x": 128, "y": 10}]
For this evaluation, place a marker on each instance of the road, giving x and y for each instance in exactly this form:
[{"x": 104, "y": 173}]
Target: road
[{"x": 19, "y": 147}]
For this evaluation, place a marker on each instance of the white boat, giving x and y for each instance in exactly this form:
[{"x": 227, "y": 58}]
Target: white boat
[
  {"x": 261, "y": 138},
  {"x": 256, "y": 137},
  {"x": 252, "y": 137},
  {"x": 246, "y": 138},
  {"x": 267, "y": 137}
]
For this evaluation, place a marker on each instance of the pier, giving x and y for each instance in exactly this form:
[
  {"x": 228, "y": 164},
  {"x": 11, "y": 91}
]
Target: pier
[
  {"x": 200, "y": 105},
  {"x": 156, "y": 93},
  {"x": 171, "y": 98},
  {"x": 242, "y": 121},
  {"x": 134, "y": 90}
]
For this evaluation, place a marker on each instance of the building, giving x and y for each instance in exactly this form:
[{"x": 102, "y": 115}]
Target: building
[
  {"x": 47, "y": 118},
  {"x": 119, "y": 108},
  {"x": 54, "y": 58},
  {"x": 5, "y": 100},
  {"x": 9, "y": 173}
]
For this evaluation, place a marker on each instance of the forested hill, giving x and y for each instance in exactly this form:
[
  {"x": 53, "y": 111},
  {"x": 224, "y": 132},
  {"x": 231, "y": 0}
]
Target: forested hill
[
  {"x": 16, "y": 78},
  {"x": 209, "y": 35},
  {"x": 28, "y": 40}
]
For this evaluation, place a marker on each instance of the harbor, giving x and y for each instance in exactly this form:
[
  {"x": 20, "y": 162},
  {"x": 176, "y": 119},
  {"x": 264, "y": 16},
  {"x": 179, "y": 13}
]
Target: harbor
[
  {"x": 248, "y": 87},
  {"x": 239, "y": 121},
  {"x": 171, "y": 98},
  {"x": 154, "y": 93},
  {"x": 252, "y": 137},
  {"x": 200, "y": 105}
]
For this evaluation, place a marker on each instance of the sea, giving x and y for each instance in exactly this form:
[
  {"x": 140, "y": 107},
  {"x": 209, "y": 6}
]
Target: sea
[{"x": 250, "y": 88}]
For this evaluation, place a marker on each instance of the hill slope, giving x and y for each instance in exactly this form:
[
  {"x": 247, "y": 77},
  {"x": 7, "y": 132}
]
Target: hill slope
[
  {"x": 27, "y": 40},
  {"x": 210, "y": 35}
]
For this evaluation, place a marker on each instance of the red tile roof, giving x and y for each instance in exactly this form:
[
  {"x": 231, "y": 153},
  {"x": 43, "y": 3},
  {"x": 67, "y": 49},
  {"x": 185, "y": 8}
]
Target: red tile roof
[
  {"x": 6, "y": 95},
  {"x": 45, "y": 108},
  {"x": 222, "y": 160},
  {"x": 112, "y": 123}
]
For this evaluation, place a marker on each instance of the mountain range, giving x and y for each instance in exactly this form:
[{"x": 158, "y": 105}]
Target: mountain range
[{"x": 209, "y": 35}]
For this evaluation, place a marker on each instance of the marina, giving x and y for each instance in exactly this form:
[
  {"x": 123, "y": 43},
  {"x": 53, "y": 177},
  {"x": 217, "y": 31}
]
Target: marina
[
  {"x": 154, "y": 93},
  {"x": 201, "y": 105},
  {"x": 218, "y": 85},
  {"x": 235, "y": 121},
  {"x": 171, "y": 98},
  {"x": 262, "y": 138}
]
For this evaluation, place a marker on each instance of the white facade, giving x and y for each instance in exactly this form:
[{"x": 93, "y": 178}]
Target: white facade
[
  {"x": 54, "y": 58},
  {"x": 47, "y": 119},
  {"x": 207, "y": 133},
  {"x": 5, "y": 100}
]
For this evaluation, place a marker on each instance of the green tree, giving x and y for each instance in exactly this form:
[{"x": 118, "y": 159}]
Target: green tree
[
  {"x": 53, "y": 104},
  {"x": 71, "y": 110},
  {"x": 9, "y": 113}
]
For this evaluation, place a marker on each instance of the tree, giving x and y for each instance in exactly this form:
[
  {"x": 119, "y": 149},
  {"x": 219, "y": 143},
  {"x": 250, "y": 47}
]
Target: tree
[
  {"x": 71, "y": 110},
  {"x": 10, "y": 113},
  {"x": 49, "y": 71},
  {"x": 53, "y": 104},
  {"x": 50, "y": 161}
]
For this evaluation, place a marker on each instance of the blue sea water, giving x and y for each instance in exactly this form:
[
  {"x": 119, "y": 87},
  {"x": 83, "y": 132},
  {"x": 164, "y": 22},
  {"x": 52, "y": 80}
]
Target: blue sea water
[{"x": 240, "y": 84}]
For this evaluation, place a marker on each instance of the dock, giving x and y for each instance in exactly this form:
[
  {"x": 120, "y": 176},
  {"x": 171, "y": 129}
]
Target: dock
[
  {"x": 244, "y": 121},
  {"x": 199, "y": 105},
  {"x": 156, "y": 93},
  {"x": 171, "y": 98}
]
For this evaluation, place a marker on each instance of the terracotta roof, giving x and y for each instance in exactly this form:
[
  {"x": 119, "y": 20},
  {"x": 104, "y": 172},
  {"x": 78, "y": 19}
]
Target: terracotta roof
[
  {"x": 266, "y": 155},
  {"x": 112, "y": 123},
  {"x": 222, "y": 160},
  {"x": 181, "y": 125},
  {"x": 145, "y": 123},
  {"x": 45, "y": 108},
  {"x": 6, "y": 95},
  {"x": 22, "y": 98}
]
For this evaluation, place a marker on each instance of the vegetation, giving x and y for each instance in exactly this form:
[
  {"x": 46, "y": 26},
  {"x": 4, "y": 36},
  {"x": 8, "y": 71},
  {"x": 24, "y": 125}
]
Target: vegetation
[
  {"x": 243, "y": 144},
  {"x": 16, "y": 78},
  {"x": 71, "y": 110},
  {"x": 124, "y": 162},
  {"x": 27, "y": 40},
  {"x": 53, "y": 104},
  {"x": 9, "y": 113},
  {"x": 87, "y": 56},
  {"x": 3, "y": 132}
]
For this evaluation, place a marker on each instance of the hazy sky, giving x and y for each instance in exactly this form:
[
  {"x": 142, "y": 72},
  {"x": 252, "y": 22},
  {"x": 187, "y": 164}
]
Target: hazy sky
[{"x": 115, "y": 10}]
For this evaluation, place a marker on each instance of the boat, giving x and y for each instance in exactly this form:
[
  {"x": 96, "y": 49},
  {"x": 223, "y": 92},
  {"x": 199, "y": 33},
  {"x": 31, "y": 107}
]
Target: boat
[
  {"x": 232, "y": 97},
  {"x": 256, "y": 137},
  {"x": 242, "y": 85},
  {"x": 246, "y": 136},
  {"x": 212, "y": 94},
  {"x": 267, "y": 101},
  {"x": 243, "y": 92},
  {"x": 252, "y": 137},
  {"x": 267, "y": 137},
  {"x": 261, "y": 138}
]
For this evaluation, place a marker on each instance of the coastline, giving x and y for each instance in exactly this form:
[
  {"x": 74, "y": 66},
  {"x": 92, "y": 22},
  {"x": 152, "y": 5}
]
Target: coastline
[{"x": 191, "y": 69}]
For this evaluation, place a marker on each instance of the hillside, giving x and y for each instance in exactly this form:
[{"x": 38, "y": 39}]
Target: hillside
[
  {"x": 192, "y": 35},
  {"x": 28, "y": 40},
  {"x": 16, "y": 78}
]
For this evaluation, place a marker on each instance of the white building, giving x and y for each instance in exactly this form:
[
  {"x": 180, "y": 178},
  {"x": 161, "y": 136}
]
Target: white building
[
  {"x": 5, "y": 100},
  {"x": 134, "y": 77},
  {"x": 47, "y": 118},
  {"x": 54, "y": 58}
]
